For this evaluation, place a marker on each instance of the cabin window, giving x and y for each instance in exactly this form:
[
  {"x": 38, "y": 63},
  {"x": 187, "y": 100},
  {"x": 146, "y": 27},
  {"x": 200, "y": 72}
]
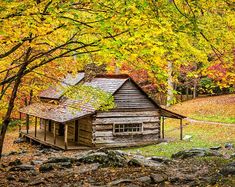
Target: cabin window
[{"x": 128, "y": 128}]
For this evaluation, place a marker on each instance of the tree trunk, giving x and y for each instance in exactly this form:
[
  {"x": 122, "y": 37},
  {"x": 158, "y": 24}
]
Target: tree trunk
[
  {"x": 195, "y": 89},
  {"x": 10, "y": 107},
  {"x": 170, "y": 95}
]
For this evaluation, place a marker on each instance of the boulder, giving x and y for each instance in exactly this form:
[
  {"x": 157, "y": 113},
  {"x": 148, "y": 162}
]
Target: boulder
[
  {"x": 140, "y": 161},
  {"x": 10, "y": 178},
  {"x": 160, "y": 159},
  {"x": 187, "y": 137},
  {"x": 158, "y": 178},
  {"x": 105, "y": 159},
  {"x": 216, "y": 148},
  {"x": 24, "y": 180},
  {"x": 228, "y": 145},
  {"x": 144, "y": 179},
  {"x": 232, "y": 155},
  {"x": 19, "y": 140},
  {"x": 200, "y": 152},
  {"x": 16, "y": 162},
  {"x": 23, "y": 167},
  {"x": 229, "y": 169},
  {"x": 46, "y": 167},
  {"x": 36, "y": 162},
  {"x": 60, "y": 159}
]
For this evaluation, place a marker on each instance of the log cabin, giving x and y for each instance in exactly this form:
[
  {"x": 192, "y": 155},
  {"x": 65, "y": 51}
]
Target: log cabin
[{"x": 136, "y": 119}]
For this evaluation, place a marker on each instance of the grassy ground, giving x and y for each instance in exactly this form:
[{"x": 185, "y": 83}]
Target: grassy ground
[
  {"x": 216, "y": 108},
  {"x": 203, "y": 135}
]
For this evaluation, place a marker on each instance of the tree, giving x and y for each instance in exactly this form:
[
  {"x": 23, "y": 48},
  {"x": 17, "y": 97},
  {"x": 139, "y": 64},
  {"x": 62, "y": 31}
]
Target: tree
[{"x": 36, "y": 33}]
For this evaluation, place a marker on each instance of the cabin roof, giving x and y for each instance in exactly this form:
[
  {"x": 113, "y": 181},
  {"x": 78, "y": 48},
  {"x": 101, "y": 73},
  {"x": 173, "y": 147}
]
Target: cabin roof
[
  {"x": 73, "y": 109},
  {"x": 65, "y": 111},
  {"x": 55, "y": 92}
]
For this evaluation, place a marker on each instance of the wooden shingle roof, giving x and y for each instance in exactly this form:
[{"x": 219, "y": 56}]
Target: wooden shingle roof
[{"x": 69, "y": 109}]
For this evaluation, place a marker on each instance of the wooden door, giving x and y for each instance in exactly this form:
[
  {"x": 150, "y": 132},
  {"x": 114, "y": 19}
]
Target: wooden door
[{"x": 76, "y": 130}]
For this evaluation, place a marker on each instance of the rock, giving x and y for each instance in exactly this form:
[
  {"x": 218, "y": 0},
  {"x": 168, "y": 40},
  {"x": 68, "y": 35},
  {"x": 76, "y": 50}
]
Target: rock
[
  {"x": 229, "y": 169},
  {"x": 10, "y": 177},
  {"x": 88, "y": 168},
  {"x": 37, "y": 182},
  {"x": 216, "y": 148},
  {"x": 19, "y": 140},
  {"x": 36, "y": 162},
  {"x": 200, "y": 152},
  {"x": 60, "y": 159},
  {"x": 187, "y": 137},
  {"x": 144, "y": 179},
  {"x": 16, "y": 162},
  {"x": 46, "y": 167},
  {"x": 23, "y": 167},
  {"x": 65, "y": 164},
  {"x": 232, "y": 155},
  {"x": 135, "y": 162},
  {"x": 24, "y": 180},
  {"x": 142, "y": 161},
  {"x": 161, "y": 159},
  {"x": 119, "y": 181},
  {"x": 110, "y": 158},
  {"x": 12, "y": 153},
  {"x": 228, "y": 145},
  {"x": 158, "y": 178}
]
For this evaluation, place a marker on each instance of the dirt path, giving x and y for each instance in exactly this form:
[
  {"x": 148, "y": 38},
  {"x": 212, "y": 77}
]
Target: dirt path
[{"x": 210, "y": 122}]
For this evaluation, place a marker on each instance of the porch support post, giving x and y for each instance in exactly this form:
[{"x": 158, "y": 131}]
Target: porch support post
[
  {"x": 20, "y": 115},
  {"x": 163, "y": 123},
  {"x": 45, "y": 130},
  {"x": 54, "y": 132},
  {"x": 35, "y": 127},
  {"x": 66, "y": 136},
  {"x": 181, "y": 129},
  {"x": 27, "y": 124}
]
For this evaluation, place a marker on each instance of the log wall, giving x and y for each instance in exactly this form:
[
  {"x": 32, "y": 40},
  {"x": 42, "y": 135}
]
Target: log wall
[
  {"x": 85, "y": 131},
  {"x": 104, "y": 127},
  {"x": 131, "y": 97}
]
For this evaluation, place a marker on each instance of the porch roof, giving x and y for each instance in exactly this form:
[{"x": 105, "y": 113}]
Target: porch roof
[{"x": 66, "y": 111}]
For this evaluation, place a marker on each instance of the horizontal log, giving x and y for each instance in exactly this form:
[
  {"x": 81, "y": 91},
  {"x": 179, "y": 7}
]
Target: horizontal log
[
  {"x": 103, "y": 127},
  {"x": 85, "y": 134},
  {"x": 85, "y": 141},
  {"x": 128, "y": 114},
  {"x": 125, "y": 120},
  {"x": 103, "y": 133},
  {"x": 151, "y": 125}
]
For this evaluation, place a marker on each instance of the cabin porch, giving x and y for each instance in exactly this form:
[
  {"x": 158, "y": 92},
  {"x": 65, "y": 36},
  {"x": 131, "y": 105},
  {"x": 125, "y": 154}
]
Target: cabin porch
[{"x": 57, "y": 143}]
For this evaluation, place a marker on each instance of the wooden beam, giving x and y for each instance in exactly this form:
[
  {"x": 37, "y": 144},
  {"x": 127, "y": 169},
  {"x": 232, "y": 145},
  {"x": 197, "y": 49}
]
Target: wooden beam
[
  {"x": 163, "y": 124},
  {"x": 20, "y": 116},
  {"x": 45, "y": 131},
  {"x": 54, "y": 132},
  {"x": 27, "y": 123},
  {"x": 181, "y": 129},
  {"x": 35, "y": 130},
  {"x": 66, "y": 136}
]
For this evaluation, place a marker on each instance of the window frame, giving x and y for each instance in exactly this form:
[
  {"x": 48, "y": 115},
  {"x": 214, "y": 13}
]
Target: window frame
[{"x": 128, "y": 132}]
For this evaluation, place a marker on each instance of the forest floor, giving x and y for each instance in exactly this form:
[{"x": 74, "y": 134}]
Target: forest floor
[{"x": 193, "y": 171}]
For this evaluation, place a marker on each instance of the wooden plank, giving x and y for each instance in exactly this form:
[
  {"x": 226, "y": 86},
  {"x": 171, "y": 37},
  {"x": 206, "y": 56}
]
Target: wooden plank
[
  {"x": 84, "y": 141},
  {"x": 66, "y": 136},
  {"x": 181, "y": 129},
  {"x": 54, "y": 133},
  {"x": 45, "y": 130},
  {"x": 125, "y": 120},
  {"x": 151, "y": 125},
  {"x": 128, "y": 114},
  {"x": 156, "y": 131},
  {"x": 85, "y": 133},
  {"x": 35, "y": 128},
  {"x": 103, "y": 127},
  {"x": 27, "y": 123},
  {"x": 163, "y": 124},
  {"x": 103, "y": 133}
]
